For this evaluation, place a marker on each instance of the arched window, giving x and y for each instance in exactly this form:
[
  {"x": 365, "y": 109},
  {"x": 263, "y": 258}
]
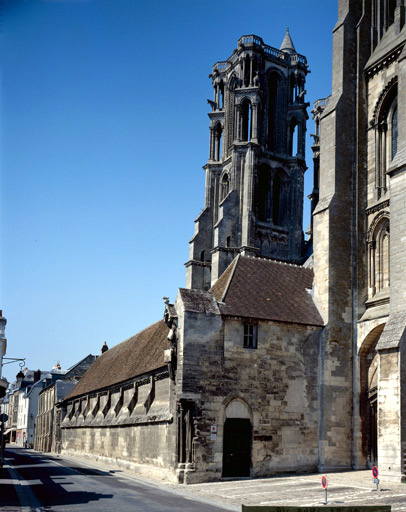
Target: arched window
[
  {"x": 293, "y": 138},
  {"x": 221, "y": 95},
  {"x": 394, "y": 128},
  {"x": 292, "y": 88},
  {"x": 386, "y": 138},
  {"x": 273, "y": 87},
  {"x": 280, "y": 198},
  {"x": 247, "y": 69},
  {"x": 246, "y": 120},
  {"x": 218, "y": 142},
  {"x": 276, "y": 200},
  {"x": 383, "y": 15},
  {"x": 379, "y": 253},
  {"x": 225, "y": 186},
  {"x": 263, "y": 193}
]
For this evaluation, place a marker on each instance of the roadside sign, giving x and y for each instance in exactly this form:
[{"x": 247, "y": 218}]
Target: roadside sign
[
  {"x": 324, "y": 485},
  {"x": 376, "y": 479}
]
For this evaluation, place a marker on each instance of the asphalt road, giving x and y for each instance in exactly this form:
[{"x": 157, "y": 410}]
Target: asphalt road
[{"x": 53, "y": 483}]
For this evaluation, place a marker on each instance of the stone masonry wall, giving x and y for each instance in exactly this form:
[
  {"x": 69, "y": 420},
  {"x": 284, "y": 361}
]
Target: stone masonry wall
[
  {"x": 277, "y": 382},
  {"x": 133, "y": 425}
]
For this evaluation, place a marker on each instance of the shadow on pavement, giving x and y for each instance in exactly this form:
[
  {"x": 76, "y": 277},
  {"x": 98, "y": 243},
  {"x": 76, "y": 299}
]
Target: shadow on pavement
[
  {"x": 41, "y": 475},
  {"x": 8, "y": 495}
]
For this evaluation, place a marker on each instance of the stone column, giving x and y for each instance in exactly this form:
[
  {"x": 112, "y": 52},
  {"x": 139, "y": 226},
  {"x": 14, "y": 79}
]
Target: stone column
[
  {"x": 217, "y": 146},
  {"x": 211, "y": 149},
  {"x": 238, "y": 121},
  {"x": 255, "y": 122}
]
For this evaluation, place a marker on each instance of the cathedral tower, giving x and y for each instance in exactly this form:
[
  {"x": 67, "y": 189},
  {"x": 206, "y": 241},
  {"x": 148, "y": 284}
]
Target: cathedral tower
[{"x": 255, "y": 171}]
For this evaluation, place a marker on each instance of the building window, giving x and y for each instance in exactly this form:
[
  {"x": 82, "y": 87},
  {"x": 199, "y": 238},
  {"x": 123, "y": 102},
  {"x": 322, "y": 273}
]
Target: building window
[
  {"x": 246, "y": 120},
  {"x": 293, "y": 148},
  {"x": 386, "y": 133},
  {"x": 225, "y": 187},
  {"x": 272, "y": 118},
  {"x": 394, "y": 131},
  {"x": 218, "y": 142},
  {"x": 379, "y": 270},
  {"x": 250, "y": 336}
]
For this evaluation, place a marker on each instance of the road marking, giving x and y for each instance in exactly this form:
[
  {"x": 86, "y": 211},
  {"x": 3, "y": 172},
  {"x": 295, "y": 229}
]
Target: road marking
[
  {"x": 31, "y": 482},
  {"x": 26, "y": 497}
]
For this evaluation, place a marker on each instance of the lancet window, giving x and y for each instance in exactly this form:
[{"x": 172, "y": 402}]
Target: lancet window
[
  {"x": 249, "y": 71},
  {"x": 273, "y": 87},
  {"x": 293, "y": 148},
  {"x": 296, "y": 88},
  {"x": 386, "y": 138},
  {"x": 225, "y": 186},
  {"x": 271, "y": 197},
  {"x": 382, "y": 16},
  {"x": 218, "y": 139},
  {"x": 246, "y": 120},
  {"x": 379, "y": 252},
  {"x": 219, "y": 95}
]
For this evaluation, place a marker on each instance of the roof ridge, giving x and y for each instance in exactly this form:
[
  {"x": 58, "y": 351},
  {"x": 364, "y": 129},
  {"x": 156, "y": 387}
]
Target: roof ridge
[{"x": 280, "y": 262}]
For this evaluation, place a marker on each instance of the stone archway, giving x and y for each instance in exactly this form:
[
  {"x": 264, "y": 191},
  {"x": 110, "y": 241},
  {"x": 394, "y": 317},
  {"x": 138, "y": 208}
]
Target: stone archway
[
  {"x": 237, "y": 440},
  {"x": 368, "y": 361}
]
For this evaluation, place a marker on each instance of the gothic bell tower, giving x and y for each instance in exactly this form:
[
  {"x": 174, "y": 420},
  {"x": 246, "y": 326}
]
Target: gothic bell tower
[{"x": 255, "y": 171}]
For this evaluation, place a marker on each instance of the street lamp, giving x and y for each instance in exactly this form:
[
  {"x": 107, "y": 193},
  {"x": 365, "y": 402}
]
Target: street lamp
[{"x": 20, "y": 375}]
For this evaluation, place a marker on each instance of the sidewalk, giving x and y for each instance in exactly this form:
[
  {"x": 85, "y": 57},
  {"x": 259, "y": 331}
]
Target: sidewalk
[
  {"x": 344, "y": 488},
  {"x": 353, "y": 488}
]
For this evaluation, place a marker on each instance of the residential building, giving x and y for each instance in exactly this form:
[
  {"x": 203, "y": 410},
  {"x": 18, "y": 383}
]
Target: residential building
[{"x": 47, "y": 432}]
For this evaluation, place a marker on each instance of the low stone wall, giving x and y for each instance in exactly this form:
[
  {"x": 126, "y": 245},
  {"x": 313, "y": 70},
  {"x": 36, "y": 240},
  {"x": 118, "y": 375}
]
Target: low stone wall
[{"x": 131, "y": 425}]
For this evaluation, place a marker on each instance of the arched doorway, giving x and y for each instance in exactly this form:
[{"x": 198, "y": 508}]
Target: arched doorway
[
  {"x": 369, "y": 359},
  {"x": 372, "y": 413},
  {"x": 237, "y": 440}
]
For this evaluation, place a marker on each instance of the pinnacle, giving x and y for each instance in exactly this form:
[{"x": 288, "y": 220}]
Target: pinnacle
[{"x": 287, "y": 44}]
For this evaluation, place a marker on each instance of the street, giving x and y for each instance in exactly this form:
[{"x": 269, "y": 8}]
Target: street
[
  {"x": 52, "y": 483},
  {"x": 35, "y": 482}
]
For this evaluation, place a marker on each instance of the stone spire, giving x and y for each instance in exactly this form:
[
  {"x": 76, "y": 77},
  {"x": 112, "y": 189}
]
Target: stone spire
[{"x": 287, "y": 44}]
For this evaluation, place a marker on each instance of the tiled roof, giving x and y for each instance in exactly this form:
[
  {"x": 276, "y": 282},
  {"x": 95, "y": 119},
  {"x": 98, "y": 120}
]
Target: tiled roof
[
  {"x": 220, "y": 286},
  {"x": 267, "y": 290},
  {"x": 198, "y": 301},
  {"x": 140, "y": 354}
]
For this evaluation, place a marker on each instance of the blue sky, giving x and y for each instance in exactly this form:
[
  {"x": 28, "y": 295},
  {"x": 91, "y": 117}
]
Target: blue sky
[{"x": 104, "y": 132}]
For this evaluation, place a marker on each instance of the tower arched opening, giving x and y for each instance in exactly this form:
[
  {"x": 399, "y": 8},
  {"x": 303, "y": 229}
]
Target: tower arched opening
[{"x": 246, "y": 120}]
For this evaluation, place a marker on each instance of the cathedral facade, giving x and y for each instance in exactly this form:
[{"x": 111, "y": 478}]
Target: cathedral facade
[
  {"x": 359, "y": 240},
  {"x": 279, "y": 355}
]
